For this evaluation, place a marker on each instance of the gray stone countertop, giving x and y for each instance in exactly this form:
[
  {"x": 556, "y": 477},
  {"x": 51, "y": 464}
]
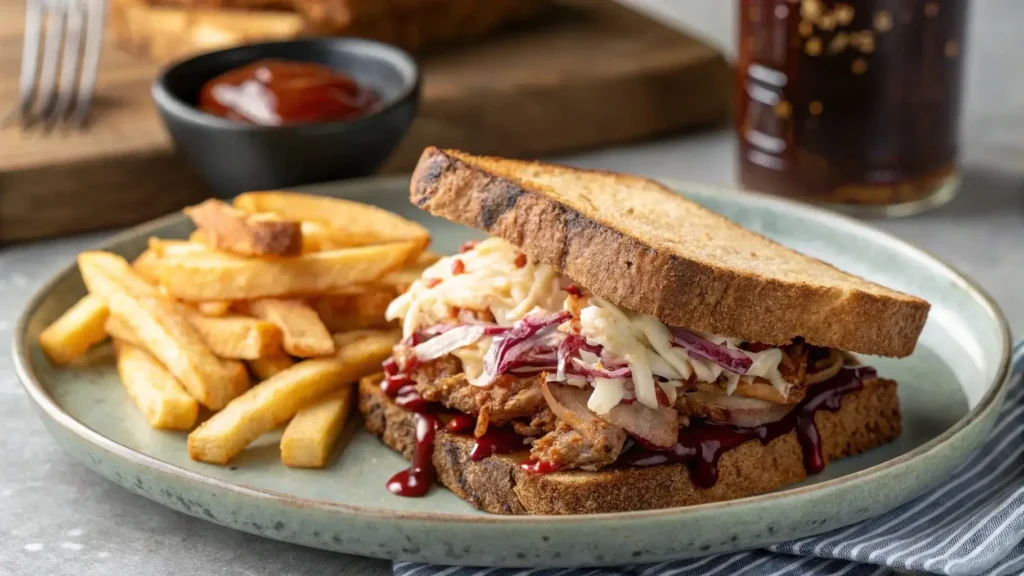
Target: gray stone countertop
[{"x": 57, "y": 517}]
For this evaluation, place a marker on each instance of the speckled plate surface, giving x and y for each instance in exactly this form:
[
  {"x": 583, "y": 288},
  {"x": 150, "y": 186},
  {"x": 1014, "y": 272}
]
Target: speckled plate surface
[{"x": 950, "y": 390}]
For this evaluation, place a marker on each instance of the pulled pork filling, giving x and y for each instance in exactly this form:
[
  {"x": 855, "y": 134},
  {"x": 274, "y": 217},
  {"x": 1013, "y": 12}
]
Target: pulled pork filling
[{"x": 493, "y": 334}]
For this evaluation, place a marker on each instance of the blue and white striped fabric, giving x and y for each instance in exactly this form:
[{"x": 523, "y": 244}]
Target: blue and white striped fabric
[{"x": 973, "y": 524}]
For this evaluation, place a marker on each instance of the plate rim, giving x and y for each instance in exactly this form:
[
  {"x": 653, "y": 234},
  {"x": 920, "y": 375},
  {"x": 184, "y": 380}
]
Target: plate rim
[{"x": 48, "y": 406}]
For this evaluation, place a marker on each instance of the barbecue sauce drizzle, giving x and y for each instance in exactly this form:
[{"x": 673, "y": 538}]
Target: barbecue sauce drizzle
[
  {"x": 416, "y": 480},
  {"x": 700, "y": 444}
]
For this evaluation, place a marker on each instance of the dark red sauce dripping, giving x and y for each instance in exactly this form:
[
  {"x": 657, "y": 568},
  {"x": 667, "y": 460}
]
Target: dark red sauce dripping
[
  {"x": 392, "y": 385},
  {"x": 497, "y": 440},
  {"x": 416, "y": 480},
  {"x": 539, "y": 467},
  {"x": 461, "y": 424},
  {"x": 701, "y": 444},
  {"x": 410, "y": 400}
]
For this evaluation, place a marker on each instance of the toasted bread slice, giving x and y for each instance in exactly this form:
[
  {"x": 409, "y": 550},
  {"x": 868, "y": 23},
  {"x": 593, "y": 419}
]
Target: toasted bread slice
[
  {"x": 640, "y": 245},
  {"x": 166, "y": 33},
  {"x": 867, "y": 418}
]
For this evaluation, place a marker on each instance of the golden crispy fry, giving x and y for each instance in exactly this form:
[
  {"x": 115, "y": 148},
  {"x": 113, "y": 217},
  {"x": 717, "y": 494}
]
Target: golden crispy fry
[
  {"x": 426, "y": 258},
  {"x": 162, "y": 247},
  {"x": 77, "y": 330},
  {"x": 267, "y": 366},
  {"x": 313, "y": 432},
  {"x": 212, "y": 275},
  {"x": 235, "y": 336},
  {"x": 317, "y": 236},
  {"x": 355, "y": 311},
  {"x": 226, "y": 228},
  {"x": 143, "y": 265},
  {"x": 353, "y": 223},
  {"x": 277, "y": 399},
  {"x": 214, "y": 307},
  {"x": 159, "y": 396},
  {"x": 162, "y": 328},
  {"x": 232, "y": 337},
  {"x": 304, "y": 333},
  {"x": 119, "y": 329},
  {"x": 400, "y": 280}
]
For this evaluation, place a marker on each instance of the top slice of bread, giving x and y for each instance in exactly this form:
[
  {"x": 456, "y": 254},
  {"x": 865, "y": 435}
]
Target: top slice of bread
[{"x": 641, "y": 246}]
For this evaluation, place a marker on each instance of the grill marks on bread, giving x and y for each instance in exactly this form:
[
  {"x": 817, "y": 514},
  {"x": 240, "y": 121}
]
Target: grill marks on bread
[{"x": 636, "y": 243}]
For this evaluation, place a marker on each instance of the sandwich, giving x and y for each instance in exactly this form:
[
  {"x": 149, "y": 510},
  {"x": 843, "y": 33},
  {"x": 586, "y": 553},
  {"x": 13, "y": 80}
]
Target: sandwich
[{"x": 614, "y": 346}]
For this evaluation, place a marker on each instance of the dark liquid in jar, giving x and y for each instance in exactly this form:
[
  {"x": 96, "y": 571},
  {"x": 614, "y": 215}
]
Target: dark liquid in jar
[{"x": 850, "y": 102}]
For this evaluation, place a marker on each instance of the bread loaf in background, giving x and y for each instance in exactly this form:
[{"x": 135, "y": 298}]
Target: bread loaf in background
[{"x": 166, "y": 30}]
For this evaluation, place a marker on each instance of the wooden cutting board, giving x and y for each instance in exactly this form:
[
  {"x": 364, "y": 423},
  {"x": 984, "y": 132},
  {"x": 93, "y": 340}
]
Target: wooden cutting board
[{"x": 592, "y": 73}]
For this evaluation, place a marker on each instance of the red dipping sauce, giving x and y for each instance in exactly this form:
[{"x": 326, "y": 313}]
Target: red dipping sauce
[{"x": 280, "y": 92}]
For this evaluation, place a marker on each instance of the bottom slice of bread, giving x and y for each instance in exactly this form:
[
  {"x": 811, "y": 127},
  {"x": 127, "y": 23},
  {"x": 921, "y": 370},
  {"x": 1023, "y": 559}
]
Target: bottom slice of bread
[{"x": 867, "y": 418}]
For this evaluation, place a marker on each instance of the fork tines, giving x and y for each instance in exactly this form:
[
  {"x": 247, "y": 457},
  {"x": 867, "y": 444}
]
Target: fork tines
[{"x": 59, "y": 61}]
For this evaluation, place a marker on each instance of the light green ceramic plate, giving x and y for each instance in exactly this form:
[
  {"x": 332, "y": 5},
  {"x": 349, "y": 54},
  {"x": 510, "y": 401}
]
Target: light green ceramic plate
[{"x": 950, "y": 390}]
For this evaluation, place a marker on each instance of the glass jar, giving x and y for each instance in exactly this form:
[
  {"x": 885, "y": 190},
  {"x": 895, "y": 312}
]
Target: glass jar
[{"x": 853, "y": 104}]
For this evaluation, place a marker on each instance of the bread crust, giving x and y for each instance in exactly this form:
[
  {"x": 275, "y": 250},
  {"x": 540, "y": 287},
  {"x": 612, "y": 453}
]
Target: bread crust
[
  {"x": 867, "y": 418},
  {"x": 227, "y": 228},
  {"x": 678, "y": 289}
]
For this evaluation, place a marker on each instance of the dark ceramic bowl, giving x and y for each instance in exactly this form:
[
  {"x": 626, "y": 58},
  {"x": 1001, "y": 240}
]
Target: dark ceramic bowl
[{"x": 234, "y": 157}]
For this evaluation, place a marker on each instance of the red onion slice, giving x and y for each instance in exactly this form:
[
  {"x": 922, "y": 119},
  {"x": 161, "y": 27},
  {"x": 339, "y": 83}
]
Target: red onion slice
[
  {"x": 448, "y": 341},
  {"x": 568, "y": 349},
  {"x": 519, "y": 339},
  {"x": 732, "y": 360}
]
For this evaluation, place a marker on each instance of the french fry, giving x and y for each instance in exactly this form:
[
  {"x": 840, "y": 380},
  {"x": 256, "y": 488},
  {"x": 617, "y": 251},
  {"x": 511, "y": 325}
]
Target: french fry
[
  {"x": 311, "y": 435},
  {"x": 267, "y": 366},
  {"x": 426, "y": 258},
  {"x": 400, "y": 280},
  {"x": 317, "y": 237},
  {"x": 237, "y": 337},
  {"x": 226, "y": 228},
  {"x": 214, "y": 307},
  {"x": 77, "y": 330},
  {"x": 165, "y": 332},
  {"x": 352, "y": 223},
  {"x": 209, "y": 275},
  {"x": 162, "y": 247},
  {"x": 233, "y": 337},
  {"x": 274, "y": 401},
  {"x": 143, "y": 265},
  {"x": 119, "y": 329},
  {"x": 304, "y": 333},
  {"x": 355, "y": 311},
  {"x": 158, "y": 395}
]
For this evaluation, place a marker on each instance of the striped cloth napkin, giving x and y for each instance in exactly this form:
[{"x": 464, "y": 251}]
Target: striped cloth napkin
[{"x": 973, "y": 524}]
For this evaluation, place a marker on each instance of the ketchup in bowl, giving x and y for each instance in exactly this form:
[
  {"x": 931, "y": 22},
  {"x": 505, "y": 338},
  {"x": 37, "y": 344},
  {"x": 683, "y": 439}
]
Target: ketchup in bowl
[{"x": 274, "y": 92}]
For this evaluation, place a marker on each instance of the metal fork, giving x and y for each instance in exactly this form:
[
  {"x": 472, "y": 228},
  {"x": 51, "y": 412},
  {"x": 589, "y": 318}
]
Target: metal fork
[{"x": 71, "y": 46}]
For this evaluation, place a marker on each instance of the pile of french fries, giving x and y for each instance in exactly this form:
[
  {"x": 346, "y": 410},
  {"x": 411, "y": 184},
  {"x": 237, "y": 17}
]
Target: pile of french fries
[{"x": 266, "y": 315}]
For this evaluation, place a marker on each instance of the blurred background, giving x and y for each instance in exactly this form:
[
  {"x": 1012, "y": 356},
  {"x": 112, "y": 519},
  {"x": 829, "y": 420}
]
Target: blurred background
[{"x": 886, "y": 99}]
